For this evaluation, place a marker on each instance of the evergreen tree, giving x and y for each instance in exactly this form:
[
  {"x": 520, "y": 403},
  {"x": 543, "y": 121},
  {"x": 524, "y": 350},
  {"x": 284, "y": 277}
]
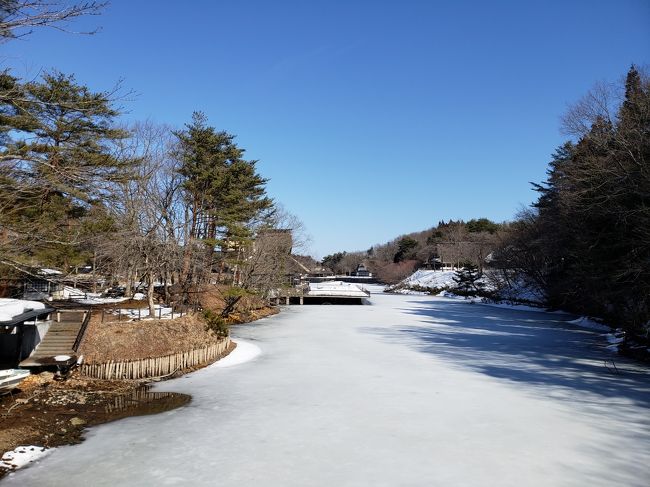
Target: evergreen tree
[
  {"x": 468, "y": 279},
  {"x": 481, "y": 225},
  {"x": 56, "y": 160},
  {"x": 332, "y": 261},
  {"x": 223, "y": 191},
  {"x": 406, "y": 248},
  {"x": 588, "y": 245}
]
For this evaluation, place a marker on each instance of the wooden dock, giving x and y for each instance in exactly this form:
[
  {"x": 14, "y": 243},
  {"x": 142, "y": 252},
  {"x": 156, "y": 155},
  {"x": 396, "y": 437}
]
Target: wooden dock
[{"x": 321, "y": 293}]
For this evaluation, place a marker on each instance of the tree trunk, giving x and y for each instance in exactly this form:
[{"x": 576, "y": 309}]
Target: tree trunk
[
  {"x": 150, "y": 288},
  {"x": 166, "y": 281},
  {"x": 95, "y": 271},
  {"x": 128, "y": 291}
]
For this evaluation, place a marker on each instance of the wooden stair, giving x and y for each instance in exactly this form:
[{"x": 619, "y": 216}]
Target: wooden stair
[{"x": 62, "y": 338}]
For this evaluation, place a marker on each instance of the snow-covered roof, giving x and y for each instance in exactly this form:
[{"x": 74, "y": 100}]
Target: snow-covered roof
[
  {"x": 337, "y": 288},
  {"x": 50, "y": 272},
  {"x": 14, "y": 307}
]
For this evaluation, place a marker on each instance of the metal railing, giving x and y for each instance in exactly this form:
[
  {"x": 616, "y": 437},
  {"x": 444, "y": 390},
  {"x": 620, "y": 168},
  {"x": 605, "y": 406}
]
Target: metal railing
[
  {"x": 82, "y": 330},
  {"x": 176, "y": 311}
]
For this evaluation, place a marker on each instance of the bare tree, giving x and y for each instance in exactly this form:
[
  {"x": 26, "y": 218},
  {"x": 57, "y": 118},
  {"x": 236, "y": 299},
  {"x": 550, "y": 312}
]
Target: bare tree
[
  {"x": 148, "y": 216},
  {"x": 18, "y": 18},
  {"x": 600, "y": 103},
  {"x": 394, "y": 272},
  {"x": 268, "y": 261}
]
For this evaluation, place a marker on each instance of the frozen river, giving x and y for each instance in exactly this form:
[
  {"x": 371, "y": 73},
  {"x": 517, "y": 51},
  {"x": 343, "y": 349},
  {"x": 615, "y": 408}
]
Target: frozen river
[{"x": 410, "y": 391}]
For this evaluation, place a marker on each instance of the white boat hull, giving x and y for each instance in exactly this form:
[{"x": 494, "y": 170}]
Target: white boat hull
[{"x": 10, "y": 378}]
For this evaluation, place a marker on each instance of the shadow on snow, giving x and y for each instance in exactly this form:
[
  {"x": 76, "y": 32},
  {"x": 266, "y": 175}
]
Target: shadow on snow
[{"x": 534, "y": 349}]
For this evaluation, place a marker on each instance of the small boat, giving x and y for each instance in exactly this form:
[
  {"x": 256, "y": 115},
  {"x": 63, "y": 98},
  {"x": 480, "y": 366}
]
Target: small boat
[{"x": 10, "y": 378}]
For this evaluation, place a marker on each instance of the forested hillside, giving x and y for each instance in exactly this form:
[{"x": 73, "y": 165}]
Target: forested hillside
[{"x": 585, "y": 241}]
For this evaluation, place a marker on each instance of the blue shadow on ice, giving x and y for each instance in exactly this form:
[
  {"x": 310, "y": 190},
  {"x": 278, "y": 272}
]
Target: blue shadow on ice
[{"x": 535, "y": 349}]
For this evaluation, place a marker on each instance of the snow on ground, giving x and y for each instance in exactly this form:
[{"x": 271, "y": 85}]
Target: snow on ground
[
  {"x": 97, "y": 299},
  {"x": 79, "y": 296},
  {"x": 428, "y": 279},
  {"x": 14, "y": 307},
  {"x": 422, "y": 280},
  {"x": 521, "y": 291},
  {"x": 411, "y": 390},
  {"x": 22, "y": 456},
  {"x": 161, "y": 312},
  {"x": 431, "y": 280},
  {"x": 613, "y": 337}
]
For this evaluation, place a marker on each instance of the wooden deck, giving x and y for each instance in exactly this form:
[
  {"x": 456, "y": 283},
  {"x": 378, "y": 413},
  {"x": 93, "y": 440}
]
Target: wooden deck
[{"x": 305, "y": 295}]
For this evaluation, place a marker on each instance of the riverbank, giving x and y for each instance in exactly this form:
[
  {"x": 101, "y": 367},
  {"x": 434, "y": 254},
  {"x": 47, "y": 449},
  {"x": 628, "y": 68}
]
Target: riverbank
[
  {"x": 47, "y": 412},
  {"x": 415, "y": 390}
]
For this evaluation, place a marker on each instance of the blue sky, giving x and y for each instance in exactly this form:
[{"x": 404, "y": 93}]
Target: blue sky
[{"x": 371, "y": 119}]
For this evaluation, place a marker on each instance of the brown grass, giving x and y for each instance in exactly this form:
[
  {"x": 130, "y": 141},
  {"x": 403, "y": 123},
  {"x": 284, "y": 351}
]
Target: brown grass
[
  {"x": 130, "y": 340},
  {"x": 249, "y": 308}
]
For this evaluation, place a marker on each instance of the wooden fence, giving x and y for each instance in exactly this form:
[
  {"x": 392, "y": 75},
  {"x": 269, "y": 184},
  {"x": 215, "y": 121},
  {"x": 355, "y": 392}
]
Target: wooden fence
[{"x": 155, "y": 366}]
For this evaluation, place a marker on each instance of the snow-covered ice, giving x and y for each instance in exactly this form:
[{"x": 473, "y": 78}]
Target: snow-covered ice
[
  {"x": 411, "y": 390},
  {"x": 487, "y": 302},
  {"x": 585, "y": 322},
  {"x": 244, "y": 352}
]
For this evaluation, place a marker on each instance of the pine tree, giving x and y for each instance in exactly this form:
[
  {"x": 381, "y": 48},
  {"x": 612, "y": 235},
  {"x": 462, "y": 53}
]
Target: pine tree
[
  {"x": 588, "y": 245},
  {"x": 468, "y": 279},
  {"x": 56, "y": 160},
  {"x": 406, "y": 248},
  {"x": 224, "y": 192}
]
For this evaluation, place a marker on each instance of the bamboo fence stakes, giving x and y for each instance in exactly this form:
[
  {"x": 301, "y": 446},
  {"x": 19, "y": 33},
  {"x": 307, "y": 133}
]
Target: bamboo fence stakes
[{"x": 154, "y": 366}]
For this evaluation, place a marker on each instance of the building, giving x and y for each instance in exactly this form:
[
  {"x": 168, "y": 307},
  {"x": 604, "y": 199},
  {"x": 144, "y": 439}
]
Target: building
[
  {"x": 362, "y": 271},
  {"x": 22, "y": 326}
]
